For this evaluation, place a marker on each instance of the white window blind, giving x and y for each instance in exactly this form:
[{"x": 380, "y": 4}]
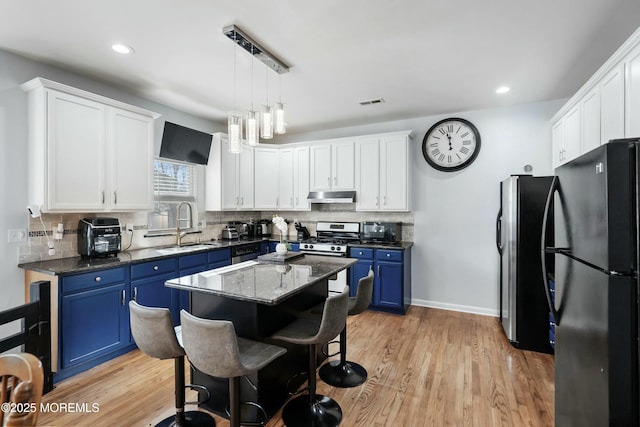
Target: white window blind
[{"x": 173, "y": 181}]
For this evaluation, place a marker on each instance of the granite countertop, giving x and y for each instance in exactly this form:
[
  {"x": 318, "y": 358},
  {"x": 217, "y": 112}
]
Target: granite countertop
[
  {"x": 77, "y": 264},
  {"x": 263, "y": 282}
]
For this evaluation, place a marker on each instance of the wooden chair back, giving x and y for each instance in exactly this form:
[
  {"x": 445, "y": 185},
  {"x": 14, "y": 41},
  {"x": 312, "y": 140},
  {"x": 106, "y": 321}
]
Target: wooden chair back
[{"x": 22, "y": 379}]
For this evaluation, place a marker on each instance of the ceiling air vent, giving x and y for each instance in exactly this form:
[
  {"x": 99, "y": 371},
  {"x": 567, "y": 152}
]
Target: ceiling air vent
[{"x": 372, "y": 101}]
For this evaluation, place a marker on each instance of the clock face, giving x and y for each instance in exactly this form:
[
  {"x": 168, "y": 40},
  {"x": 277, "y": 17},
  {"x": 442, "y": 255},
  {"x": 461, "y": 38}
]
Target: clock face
[{"x": 451, "y": 144}]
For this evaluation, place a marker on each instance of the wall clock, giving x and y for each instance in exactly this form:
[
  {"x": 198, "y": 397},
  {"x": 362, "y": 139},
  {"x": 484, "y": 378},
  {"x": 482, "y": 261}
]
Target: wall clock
[{"x": 451, "y": 144}]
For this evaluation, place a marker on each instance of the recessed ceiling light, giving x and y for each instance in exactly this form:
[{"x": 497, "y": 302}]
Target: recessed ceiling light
[
  {"x": 122, "y": 48},
  {"x": 502, "y": 89}
]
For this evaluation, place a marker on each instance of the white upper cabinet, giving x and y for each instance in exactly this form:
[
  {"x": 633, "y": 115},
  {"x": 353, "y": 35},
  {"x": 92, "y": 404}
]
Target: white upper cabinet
[
  {"x": 609, "y": 105},
  {"x": 301, "y": 178},
  {"x": 286, "y": 179},
  {"x": 266, "y": 178},
  {"x": 87, "y": 153},
  {"x": 382, "y": 173},
  {"x": 590, "y": 106},
  {"x": 558, "y": 143},
  {"x": 632, "y": 93},
  {"x": 131, "y": 185},
  {"x": 229, "y": 177},
  {"x": 612, "y": 105},
  {"x": 331, "y": 166}
]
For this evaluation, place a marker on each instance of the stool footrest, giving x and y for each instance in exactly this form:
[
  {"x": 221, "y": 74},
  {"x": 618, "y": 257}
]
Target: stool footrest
[
  {"x": 199, "y": 388},
  {"x": 343, "y": 374},
  {"x": 322, "y": 412},
  {"x": 251, "y": 423}
]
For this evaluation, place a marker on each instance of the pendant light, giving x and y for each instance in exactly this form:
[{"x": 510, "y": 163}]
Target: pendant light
[
  {"x": 279, "y": 126},
  {"x": 264, "y": 121},
  {"x": 266, "y": 129},
  {"x": 253, "y": 122},
  {"x": 235, "y": 118}
]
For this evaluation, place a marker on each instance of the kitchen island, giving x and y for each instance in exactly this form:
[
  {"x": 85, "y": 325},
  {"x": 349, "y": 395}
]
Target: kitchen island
[{"x": 260, "y": 298}]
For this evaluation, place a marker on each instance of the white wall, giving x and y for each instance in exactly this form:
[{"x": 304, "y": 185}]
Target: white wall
[{"x": 454, "y": 260}]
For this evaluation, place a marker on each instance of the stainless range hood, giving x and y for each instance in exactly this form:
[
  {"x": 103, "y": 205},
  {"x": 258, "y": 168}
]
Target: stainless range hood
[{"x": 332, "y": 197}]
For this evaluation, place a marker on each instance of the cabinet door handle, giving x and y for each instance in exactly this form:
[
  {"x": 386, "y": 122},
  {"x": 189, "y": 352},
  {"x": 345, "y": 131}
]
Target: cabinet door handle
[
  {"x": 123, "y": 296},
  {"x": 103, "y": 197},
  {"x": 155, "y": 268},
  {"x": 379, "y": 271},
  {"x": 291, "y": 201},
  {"x": 115, "y": 197},
  {"x": 335, "y": 180},
  {"x": 135, "y": 293},
  {"x": 388, "y": 255},
  {"x": 297, "y": 200},
  {"x": 329, "y": 181},
  {"x": 98, "y": 278}
]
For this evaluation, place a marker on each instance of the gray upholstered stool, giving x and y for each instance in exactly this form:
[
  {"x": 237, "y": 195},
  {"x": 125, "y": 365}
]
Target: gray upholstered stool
[
  {"x": 342, "y": 373},
  {"x": 315, "y": 409},
  {"x": 214, "y": 349},
  {"x": 154, "y": 334}
]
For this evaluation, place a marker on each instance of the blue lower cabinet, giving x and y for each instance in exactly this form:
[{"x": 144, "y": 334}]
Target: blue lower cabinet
[
  {"x": 147, "y": 282},
  {"x": 392, "y": 276},
  {"x": 93, "y": 319},
  {"x": 219, "y": 258},
  {"x": 264, "y": 248},
  {"x": 187, "y": 265}
]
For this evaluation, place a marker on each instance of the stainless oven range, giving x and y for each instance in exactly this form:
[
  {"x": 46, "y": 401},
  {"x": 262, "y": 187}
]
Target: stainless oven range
[{"x": 332, "y": 240}]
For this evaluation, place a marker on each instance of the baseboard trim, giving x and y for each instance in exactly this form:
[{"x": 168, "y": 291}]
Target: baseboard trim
[{"x": 455, "y": 307}]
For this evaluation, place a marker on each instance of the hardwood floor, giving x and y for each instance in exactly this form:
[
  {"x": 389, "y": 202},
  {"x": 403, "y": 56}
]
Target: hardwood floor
[{"x": 428, "y": 368}]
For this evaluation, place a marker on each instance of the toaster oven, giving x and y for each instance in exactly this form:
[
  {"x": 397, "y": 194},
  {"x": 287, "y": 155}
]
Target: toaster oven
[
  {"x": 98, "y": 237},
  {"x": 381, "y": 232}
]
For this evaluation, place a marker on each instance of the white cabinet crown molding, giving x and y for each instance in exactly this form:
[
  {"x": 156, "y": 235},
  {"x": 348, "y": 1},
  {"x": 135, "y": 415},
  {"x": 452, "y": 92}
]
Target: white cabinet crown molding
[
  {"x": 609, "y": 65},
  {"x": 39, "y": 82}
]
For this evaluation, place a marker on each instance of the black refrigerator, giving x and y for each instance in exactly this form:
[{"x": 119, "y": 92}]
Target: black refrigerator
[
  {"x": 524, "y": 312},
  {"x": 595, "y": 205}
]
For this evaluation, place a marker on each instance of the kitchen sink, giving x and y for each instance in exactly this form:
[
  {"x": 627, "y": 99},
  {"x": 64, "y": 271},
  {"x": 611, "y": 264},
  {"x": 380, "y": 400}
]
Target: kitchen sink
[{"x": 185, "y": 248}]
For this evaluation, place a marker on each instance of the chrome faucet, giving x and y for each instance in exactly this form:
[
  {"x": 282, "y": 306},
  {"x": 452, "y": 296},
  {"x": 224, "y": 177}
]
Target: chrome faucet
[{"x": 181, "y": 234}]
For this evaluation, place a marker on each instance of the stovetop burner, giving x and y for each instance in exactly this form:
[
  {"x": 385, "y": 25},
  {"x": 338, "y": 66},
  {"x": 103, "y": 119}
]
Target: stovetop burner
[{"x": 332, "y": 238}]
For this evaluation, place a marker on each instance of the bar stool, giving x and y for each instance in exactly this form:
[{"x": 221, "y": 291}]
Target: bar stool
[
  {"x": 315, "y": 409},
  {"x": 343, "y": 373},
  {"x": 154, "y": 334},
  {"x": 213, "y": 348}
]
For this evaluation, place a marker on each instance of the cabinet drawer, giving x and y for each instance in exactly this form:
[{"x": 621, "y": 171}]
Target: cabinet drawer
[
  {"x": 195, "y": 260},
  {"x": 220, "y": 255},
  {"x": 93, "y": 279},
  {"x": 361, "y": 253},
  {"x": 388, "y": 255},
  {"x": 153, "y": 268}
]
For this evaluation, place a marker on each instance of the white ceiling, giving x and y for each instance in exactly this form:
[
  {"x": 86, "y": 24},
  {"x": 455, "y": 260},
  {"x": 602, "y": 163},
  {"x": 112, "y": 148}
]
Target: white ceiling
[{"x": 424, "y": 57}]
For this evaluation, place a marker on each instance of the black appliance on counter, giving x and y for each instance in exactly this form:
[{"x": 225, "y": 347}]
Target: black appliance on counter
[
  {"x": 302, "y": 232},
  {"x": 381, "y": 232},
  {"x": 524, "y": 312},
  {"x": 99, "y": 237},
  {"x": 595, "y": 203}
]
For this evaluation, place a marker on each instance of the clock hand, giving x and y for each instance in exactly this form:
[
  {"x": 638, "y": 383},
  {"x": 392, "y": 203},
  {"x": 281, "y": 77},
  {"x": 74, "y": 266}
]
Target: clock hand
[{"x": 449, "y": 137}]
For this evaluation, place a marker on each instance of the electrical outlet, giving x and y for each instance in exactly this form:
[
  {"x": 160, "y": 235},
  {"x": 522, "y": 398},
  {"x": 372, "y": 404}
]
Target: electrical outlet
[
  {"x": 129, "y": 227},
  {"x": 17, "y": 235}
]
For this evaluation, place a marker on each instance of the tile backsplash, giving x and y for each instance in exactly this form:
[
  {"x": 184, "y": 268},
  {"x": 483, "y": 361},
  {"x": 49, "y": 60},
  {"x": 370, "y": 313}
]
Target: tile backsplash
[{"x": 210, "y": 225}]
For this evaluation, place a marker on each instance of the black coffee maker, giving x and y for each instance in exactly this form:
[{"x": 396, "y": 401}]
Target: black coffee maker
[{"x": 303, "y": 232}]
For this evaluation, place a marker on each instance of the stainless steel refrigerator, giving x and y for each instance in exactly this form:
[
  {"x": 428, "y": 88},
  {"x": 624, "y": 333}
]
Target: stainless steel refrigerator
[
  {"x": 524, "y": 312},
  {"x": 595, "y": 204}
]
